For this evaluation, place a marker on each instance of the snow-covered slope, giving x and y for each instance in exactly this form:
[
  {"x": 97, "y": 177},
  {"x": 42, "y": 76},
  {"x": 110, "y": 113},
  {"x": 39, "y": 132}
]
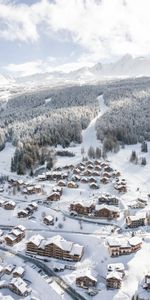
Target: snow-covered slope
[
  {"x": 127, "y": 66},
  {"x": 89, "y": 134}
]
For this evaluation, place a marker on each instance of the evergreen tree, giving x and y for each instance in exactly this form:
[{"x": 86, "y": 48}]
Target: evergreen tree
[
  {"x": 91, "y": 152},
  {"x": 133, "y": 157},
  {"x": 143, "y": 161},
  {"x": 98, "y": 153},
  {"x": 144, "y": 147}
]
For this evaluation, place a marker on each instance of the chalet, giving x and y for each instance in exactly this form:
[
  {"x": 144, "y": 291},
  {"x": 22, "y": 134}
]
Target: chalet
[
  {"x": 55, "y": 196},
  {"x": 116, "y": 174},
  {"x": 115, "y": 274},
  {"x": 98, "y": 168},
  {"x": 104, "y": 164},
  {"x": 136, "y": 221},
  {"x": 57, "y": 169},
  {"x": 30, "y": 209},
  {"x": 48, "y": 220},
  {"x": 29, "y": 190},
  {"x": 90, "y": 167},
  {"x": 64, "y": 175},
  {"x": 108, "y": 199},
  {"x": 33, "y": 205},
  {"x": 20, "y": 182},
  {"x": 95, "y": 173},
  {"x": 147, "y": 282},
  {"x": 57, "y": 189},
  {"x": 23, "y": 213},
  {"x": 56, "y": 247},
  {"x": 94, "y": 186},
  {"x": 108, "y": 169},
  {"x": 89, "y": 162},
  {"x": 15, "y": 235},
  {"x": 75, "y": 178},
  {"x": 42, "y": 177},
  {"x": 87, "y": 173},
  {"x": 114, "y": 247},
  {"x": 72, "y": 185},
  {"x": 9, "y": 269},
  {"x": 106, "y": 174},
  {"x": 92, "y": 179},
  {"x": 84, "y": 180},
  {"x": 57, "y": 175},
  {"x": 76, "y": 171},
  {"x": 113, "y": 280},
  {"x": 61, "y": 183},
  {"x": 86, "y": 279},
  {"x": 19, "y": 287},
  {"x": 81, "y": 167},
  {"x": 136, "y": 243},
  {"x": 9, "y": 205},
  {"x": 37, "y": 189},
  {"x": 97, "y": 162},
  {"x": 34, "y": 243},
  {"x": 82, "y": 208},
  {"x": 121, "y": 188},
  {"x": 18, "y": 272},
  {"x": 123, "y": 246},
  {"x": 104, "y": 180},
  {"x": 107, "y": 211}
]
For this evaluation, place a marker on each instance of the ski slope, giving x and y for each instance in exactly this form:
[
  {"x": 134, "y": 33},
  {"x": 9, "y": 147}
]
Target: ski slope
[{"x": 89, "y": 134}]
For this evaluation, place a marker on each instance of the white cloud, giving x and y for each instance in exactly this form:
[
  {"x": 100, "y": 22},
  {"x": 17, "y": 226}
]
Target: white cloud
[
  {"x": 104, "y": 28},
  {"x": 25, "y": 69}
]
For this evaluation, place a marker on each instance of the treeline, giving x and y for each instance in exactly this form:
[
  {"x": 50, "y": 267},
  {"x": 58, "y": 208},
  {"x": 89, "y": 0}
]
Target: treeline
[
  {"x": 128, "y": 116},
  {"x": 50, "y": 117}
]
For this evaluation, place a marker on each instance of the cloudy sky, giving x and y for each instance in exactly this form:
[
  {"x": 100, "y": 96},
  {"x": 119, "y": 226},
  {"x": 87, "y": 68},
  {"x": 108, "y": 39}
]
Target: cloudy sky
[{"x": 44, "y": 35}]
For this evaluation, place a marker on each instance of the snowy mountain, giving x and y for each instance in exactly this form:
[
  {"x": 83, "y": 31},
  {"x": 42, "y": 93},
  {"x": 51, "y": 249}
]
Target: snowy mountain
[{"x": 127, "y": 66}]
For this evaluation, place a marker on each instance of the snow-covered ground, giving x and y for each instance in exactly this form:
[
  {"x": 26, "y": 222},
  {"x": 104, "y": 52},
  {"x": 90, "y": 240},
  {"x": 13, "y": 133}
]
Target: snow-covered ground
[{"x": 92, "y": 236}]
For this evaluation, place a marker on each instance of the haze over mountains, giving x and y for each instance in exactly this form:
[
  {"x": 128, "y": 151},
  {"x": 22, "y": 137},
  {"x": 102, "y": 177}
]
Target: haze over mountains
[{"x": 127, "y": 66}]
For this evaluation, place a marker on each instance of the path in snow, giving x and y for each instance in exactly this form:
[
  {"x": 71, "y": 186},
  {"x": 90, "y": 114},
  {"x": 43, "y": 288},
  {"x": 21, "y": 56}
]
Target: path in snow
[
  {"x": 5, "y": 158},
  {"x": 89, "y": 134}
]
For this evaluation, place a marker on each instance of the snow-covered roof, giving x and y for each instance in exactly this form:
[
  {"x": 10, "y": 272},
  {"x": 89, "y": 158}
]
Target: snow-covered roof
[
  {"x": 115, "y": 267},
  {"x": 16, "y": 231},
  {"x": 76, "y": 250},
  {"x": 49, "y": 218},
  {"x": 88, "y": 272},
  {"x": 11, "y": 236},
  {"x": 113, "y": 242},
  {"x": 20, "y": 284},
  {"x": 109, "y": 207},
  {"x": 115, "y": 275},
  {"x": 11, "y": 202},
  {"x": 21, "y": 227},
  {"x": 9, "y": 268},
  {"x": 59, "y": 241},
  {"x": 135, "y": 241},
  {"x": 37, "y": 186},
  {"x": 36, "y": 239},
  {"x": 19, "y": 270}
]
